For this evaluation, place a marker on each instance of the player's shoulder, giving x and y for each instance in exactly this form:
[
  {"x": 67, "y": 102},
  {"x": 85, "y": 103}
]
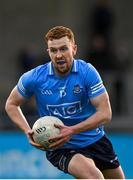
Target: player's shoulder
[
  {"x": 36, "y": 73},
  {"x": 83, "y": 65},
  {"x": 40, "y": 70}
]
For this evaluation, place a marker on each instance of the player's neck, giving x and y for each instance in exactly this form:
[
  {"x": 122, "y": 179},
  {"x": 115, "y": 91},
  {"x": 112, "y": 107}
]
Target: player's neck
[{"x": 61, "y": 74}]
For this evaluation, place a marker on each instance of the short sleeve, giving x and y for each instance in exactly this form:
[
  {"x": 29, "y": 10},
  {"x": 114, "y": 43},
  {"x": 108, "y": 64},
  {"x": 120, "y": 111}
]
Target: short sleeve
[
  {"x": 25, "y": 84},
  {"x": 94, "y": 82}
]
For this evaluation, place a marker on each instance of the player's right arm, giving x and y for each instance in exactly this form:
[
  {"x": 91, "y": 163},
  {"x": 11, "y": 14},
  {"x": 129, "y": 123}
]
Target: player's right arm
[{"x": 12, "y": 107}]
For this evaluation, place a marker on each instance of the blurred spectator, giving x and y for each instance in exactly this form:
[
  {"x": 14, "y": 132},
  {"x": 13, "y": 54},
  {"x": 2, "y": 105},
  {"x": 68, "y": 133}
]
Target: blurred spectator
[
  {"x": 102, "y": 22},
  {"x": 27, "y": 58},
  {"x": 102, "y": 19},
  {"x": 101, "y": 55},
  {"x": 123, "y": 55}
]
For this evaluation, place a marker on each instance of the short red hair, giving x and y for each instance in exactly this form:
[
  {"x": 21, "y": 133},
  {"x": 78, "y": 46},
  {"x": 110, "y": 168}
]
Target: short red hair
[{"x": 59, "y": 32}]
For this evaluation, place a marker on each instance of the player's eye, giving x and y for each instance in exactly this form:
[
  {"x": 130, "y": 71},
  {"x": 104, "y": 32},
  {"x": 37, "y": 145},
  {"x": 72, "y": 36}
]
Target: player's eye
[
  {"x": 52, "y": 50},
  {"x": 63, "y": 49}
]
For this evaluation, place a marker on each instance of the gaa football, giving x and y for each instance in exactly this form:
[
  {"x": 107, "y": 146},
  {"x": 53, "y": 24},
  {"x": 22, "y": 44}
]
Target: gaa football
[{"x": 44, "y": 128}]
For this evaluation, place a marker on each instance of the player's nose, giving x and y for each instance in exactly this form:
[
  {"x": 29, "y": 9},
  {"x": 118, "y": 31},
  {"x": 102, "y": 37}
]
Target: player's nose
[{"x": 58, "y": 55}]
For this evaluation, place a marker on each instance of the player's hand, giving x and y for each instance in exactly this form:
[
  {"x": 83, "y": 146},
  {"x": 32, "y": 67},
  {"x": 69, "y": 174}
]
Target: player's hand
[
  {"x": 62, "y": 138},
  {"x": 31, "y": 141}
]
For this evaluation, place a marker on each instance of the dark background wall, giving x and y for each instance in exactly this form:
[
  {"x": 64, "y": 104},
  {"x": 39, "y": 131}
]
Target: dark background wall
[{"x": 24, "y": 22}]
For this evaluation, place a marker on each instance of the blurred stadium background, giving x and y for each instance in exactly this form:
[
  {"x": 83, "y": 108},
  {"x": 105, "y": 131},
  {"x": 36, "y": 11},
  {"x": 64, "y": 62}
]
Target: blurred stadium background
[{"x": 104, "y": 33}]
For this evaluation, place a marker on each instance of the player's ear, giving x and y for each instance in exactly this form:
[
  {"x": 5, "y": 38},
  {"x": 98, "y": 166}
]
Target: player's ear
[
  {"x": 48, "y": 50},
  {"x": 74, "y": 49}
]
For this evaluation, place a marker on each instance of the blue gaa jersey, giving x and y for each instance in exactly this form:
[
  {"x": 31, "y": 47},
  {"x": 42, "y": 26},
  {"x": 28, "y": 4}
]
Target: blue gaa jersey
[{"x": 67, "y": 98}]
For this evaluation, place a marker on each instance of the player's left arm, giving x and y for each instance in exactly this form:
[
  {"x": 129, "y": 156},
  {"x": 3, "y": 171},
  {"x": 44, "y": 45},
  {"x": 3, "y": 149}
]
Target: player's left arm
[{"x": 102, "y": 116}]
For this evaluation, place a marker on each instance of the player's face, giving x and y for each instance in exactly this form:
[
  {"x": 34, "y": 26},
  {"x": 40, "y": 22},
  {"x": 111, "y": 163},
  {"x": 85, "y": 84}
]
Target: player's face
[{"x": 61, "y": 52}]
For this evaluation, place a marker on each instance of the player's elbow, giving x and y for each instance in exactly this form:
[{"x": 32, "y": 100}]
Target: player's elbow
[
  {"x": 8, "y": 106},
  {"x": 107, "y": 117}
]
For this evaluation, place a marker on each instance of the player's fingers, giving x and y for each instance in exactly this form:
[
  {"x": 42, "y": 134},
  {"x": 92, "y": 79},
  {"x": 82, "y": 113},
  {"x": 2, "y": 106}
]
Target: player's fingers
[
  {"x": 58, "y": 126},
  {"x": 30, "y": 131},
  {"x": 34, "y": 144},
  {"x": 53, "y": 139},
  {"x": 55, "y": 144},
  {"x": 60, "y": 136},
  {"x": 58, "y": 143}
]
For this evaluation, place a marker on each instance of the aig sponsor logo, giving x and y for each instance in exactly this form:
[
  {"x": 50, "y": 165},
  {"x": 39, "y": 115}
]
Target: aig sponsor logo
[{"x": 65, "y": 110}]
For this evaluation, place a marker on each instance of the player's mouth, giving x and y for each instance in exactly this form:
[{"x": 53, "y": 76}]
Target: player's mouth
[{"x": 61, "y": 62}]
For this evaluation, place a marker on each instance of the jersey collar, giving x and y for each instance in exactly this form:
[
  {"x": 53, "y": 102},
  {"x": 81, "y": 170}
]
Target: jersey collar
[{"x": 74, "y": 67}]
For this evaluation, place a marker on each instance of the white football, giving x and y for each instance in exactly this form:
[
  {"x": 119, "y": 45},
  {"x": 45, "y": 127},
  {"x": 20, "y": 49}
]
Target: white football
[{"x": 44, "y": 128}]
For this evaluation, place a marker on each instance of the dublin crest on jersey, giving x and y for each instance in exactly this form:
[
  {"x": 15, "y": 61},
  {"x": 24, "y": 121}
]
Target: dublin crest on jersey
[{"x": 77, "y": 89}]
